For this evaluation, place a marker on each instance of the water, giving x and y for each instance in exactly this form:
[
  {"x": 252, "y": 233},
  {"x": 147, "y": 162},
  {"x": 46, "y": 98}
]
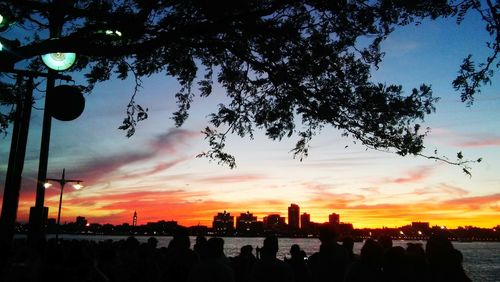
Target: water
[{"x": 481, "y": 259}]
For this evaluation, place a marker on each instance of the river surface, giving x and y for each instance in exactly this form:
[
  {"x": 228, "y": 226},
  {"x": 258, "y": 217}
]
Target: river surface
[{"x": 481, "y": 259}]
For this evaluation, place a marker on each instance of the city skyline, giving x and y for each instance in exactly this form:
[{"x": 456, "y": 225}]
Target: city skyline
[
  {"x": 242, "y": 220},
  {"x": 156, "y": 172}
]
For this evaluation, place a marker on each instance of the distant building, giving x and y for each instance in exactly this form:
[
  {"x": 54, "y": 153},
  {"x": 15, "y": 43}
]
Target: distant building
[
  {"x": 80, "y": 221},
  {"x": 305, "y": 221},
  {"x": 334, "y": 219},
  {"x": 223, "y": 223},
  {"x": 275, "y": 222},
  {"x": 161, "y": 227},
  {"x": 245, "y": 222},
  {"x": 345, "y": 228},
  {"x": 420, "y": 225},
  {"x": 134, "y": 219},
  {"x": 293, "y": 216},
  {"x": 198, "y": 230}
]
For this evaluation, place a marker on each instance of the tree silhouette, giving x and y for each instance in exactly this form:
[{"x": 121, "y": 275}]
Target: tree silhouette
[{"x": 289, "y": 67}]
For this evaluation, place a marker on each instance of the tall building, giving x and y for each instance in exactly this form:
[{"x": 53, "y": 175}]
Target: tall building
[
  {"x": 134, "y": 219},
  {"x": 305, "y": 221},
  {"x": 223, "y": 223},
  {"x": 334, "y": 218},
  {"x": 293, "y": 216},
  {"x": 245, "y": 222}
]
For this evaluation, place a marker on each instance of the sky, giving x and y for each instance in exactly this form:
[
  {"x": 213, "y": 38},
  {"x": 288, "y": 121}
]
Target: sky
[{"x": 157, "y": 174}]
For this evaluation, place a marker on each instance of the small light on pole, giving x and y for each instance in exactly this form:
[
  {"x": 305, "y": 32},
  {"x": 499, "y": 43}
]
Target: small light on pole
[
  {"x": 78, "y": 186},
  {"x": 62, "y": 181}
]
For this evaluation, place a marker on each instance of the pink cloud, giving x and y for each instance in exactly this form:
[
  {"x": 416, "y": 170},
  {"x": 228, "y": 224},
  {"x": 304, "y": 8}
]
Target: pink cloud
[
  {"x": 103, "y": 166},
  {"x": 172, "y": 139},
  {"x": 471, "y": 140},
  {"x": 443, "y": 188},
  {"x": 453, "y": 190},
  {"x": 412, "y": 176},
  {"x": 231, "y": 178},
  {"x": 487, "y": 142}
]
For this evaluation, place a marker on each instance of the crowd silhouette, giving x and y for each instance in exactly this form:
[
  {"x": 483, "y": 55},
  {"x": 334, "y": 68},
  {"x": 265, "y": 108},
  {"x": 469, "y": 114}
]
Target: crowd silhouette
[{"x": 130, "y": 261}]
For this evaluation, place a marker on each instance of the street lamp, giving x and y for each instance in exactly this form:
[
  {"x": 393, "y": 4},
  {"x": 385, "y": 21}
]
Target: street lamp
[
  {"x": 59, "y": 61},
  {"x": 62, "y": 181}
]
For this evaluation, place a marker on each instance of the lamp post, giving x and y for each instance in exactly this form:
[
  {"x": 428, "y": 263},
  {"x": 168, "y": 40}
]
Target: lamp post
[{"x": 62, "y": 181}]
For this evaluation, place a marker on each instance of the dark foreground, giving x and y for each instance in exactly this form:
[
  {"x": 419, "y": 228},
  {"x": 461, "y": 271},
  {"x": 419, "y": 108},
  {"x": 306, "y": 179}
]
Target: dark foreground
[{"x": 128, "y": 260}]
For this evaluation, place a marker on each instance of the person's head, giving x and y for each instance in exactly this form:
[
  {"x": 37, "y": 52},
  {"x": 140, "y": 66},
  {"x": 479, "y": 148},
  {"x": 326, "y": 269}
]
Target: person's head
[
  {"x": 327, "y": 234},
  {"x": 201, "y": 240},
  {"x": 246, "y": 250},
  {"x": 371, "y": 252},
  {"x": 415, "y": 249},
  {"x": 385, "y": 241},
  {"x": 215, "y": 247},
  {"x": 270, "y": 246},
  {"x": 295, "y": 250},
  {"x": 180, "y": 239},
  {"x": 348, "y": 244},
  {"x": 131, "y": 242},
  {"x": 152, "y": 242}
]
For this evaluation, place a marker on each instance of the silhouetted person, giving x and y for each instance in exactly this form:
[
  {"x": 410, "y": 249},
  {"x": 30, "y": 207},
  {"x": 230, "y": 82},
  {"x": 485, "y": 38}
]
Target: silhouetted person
[
  {"x": 269, "y": 268},
  {"x": 330, "y": 263},
  {"x": 107, "y": 259},
  {"x": 385, "y": 241},
  {"x": 369, "y": 266},
  {"x": 417, "y": 263},
  {"x": 179, "y": 258},
  {"x": 215, "y": 267},
  {"x": 152, "y": 242},
  {"x": 200, "y": 247},
  {"x": 395, "y": 265},
  {"x": 242, "y": 264},
  {"x": 348, "y": 244},
  {"x": 298, "y": 264},
  {"x": 445, "y": 262}
]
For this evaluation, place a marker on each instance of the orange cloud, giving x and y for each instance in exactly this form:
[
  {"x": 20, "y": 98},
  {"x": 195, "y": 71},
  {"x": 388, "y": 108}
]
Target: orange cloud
[
  {"x": 480, "y": 211},
  {"x": 192, "y": 207},
  {"x": 186, "y": 207}
]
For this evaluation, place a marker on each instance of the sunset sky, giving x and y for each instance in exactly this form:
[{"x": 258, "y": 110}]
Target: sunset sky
[{"x": 155, "y": 172}]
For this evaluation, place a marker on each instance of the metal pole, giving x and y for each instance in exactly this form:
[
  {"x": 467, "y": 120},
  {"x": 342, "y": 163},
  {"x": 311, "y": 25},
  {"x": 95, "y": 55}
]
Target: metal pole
[
  {"x": 62, "y": 182},
  {"x": 44, "y": 146},
  {"x": 38, "y": 213},
  {"x": 15, "y": 168}
]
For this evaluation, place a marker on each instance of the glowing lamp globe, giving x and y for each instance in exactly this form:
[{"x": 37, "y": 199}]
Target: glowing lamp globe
[
  {"x": 59, "y": 61},
  {"x": 4, "y": 23}
]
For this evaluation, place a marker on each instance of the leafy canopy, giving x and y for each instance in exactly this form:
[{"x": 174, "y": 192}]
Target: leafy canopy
[{"x": 279, "y": 61}]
